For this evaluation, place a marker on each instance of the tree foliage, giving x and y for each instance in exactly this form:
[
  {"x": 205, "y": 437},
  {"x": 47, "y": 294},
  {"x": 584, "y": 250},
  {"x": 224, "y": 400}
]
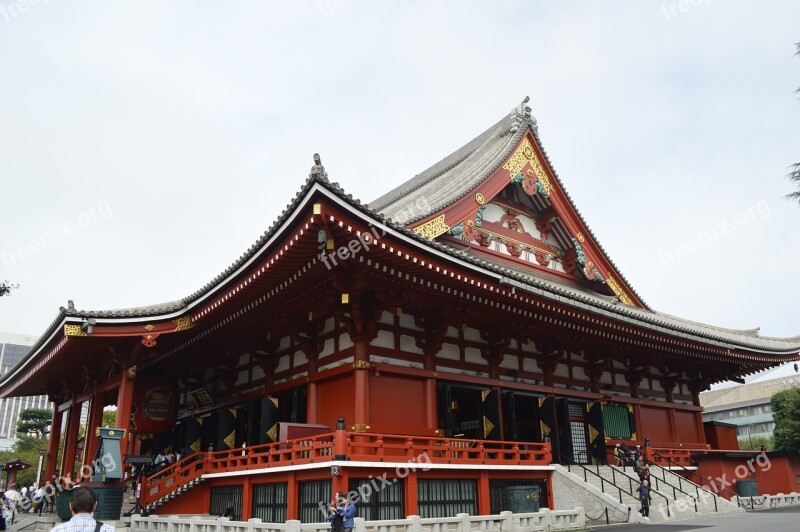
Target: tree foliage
[
  {"x": 109, "y": 418},
  {"x": 27, "y": 449},
  {"x": 794, "y": 174},
  {"x": 786, "y": 411},
  {"x": 754, "y": 443},
  {"x": 34, "y": 422},
  {"x": 6, "y": 288}
]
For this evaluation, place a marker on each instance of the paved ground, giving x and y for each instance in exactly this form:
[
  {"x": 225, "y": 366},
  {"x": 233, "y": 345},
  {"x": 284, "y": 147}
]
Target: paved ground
[{"x": 778, "y": 520}]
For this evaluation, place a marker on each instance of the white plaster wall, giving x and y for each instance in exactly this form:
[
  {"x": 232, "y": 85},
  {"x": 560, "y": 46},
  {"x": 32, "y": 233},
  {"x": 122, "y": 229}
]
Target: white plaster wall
[
  {"x": 473, "y": 356},
  {"x": 449, "y": 352},
  {"x": 409, "y": 345},
  {"x": 384, "y": 339}
]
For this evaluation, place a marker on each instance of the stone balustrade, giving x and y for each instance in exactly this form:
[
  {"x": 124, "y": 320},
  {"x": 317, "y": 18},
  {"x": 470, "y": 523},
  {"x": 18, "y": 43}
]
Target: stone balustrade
[{"x": 508, "y": 522}]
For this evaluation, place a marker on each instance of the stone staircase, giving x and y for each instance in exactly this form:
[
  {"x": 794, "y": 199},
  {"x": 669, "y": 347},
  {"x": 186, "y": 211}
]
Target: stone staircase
[
  {"x": 708, "y": 503},
  {"x": 673, "y": 497}
]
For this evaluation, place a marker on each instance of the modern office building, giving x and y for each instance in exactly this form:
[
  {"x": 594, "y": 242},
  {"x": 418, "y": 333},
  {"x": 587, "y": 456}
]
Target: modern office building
[
  {"x": 748, "y": 405},
  {"x": 13, "y": 347}
]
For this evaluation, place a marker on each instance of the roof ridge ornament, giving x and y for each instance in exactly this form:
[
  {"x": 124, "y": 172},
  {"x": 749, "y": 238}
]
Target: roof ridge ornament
[
  {"x": 522, "y": 113},
  {"x": 318, "y": 171}
]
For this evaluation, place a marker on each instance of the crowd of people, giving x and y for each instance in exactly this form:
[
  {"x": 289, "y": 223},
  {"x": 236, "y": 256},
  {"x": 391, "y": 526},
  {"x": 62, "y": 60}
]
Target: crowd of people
[
  {"x": 27, "y": 499},
  {"x": 634, "y": 457}
]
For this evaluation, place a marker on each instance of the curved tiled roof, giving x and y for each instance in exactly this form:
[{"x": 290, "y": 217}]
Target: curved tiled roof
[
  {"x": 546, "y": 287},
  {"x": 456, "y": 175}
]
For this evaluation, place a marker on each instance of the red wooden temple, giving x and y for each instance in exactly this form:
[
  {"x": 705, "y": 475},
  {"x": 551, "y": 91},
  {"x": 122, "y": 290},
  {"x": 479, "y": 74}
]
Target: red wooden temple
[{"x": 450, "y": 339}]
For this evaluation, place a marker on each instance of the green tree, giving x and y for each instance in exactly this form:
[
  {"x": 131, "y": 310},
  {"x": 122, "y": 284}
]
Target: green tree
[
  {"x": 754, "y": 443},
  {"x": 794, "y": 175},
  {"x": 786, "y": 411},
  {"x": 6, "y": 288},
  {"x": 109, "y": 418},
  {"x": 27, "y": 449},
  {"x": 34, "y": 422}
]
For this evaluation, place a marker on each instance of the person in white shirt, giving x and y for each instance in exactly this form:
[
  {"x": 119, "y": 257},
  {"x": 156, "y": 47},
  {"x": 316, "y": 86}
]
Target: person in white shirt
[{"x": 84, "y": 502}]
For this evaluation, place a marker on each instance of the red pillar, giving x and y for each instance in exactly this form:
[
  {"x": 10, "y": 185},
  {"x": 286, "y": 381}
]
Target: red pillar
[
  {"x": 484, "y": 502},
  {"x": 292, "y": 494},
  {"x": 431, "y": 415},
  {"x": 95, "y": 420},
  {"x": 247, "y": 505},
  {"x": 411, "y": 493},
  {"x": 361, "y": 378},
  {"x": 71, "y": 441},
  {"x": 52, "y": 448},
  {"x": 125, "y": 405}
]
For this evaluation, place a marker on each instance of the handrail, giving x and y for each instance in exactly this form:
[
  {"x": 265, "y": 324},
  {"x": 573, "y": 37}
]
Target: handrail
[
  {"x": 359, "y": 446},
  {"x": 675, "y": 490},
  {"x": 612, "y": 483},
  {"x": 700, "y": 484}
]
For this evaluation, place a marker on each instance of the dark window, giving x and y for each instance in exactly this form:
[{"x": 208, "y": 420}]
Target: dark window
[
  {"x": 315, "y": 496},
  {"x": 498, "y": 498},
  {"x": 227, "y": 501},
  {"x": 269, "y": 502},
  {"x": 379, "y": 500},
  {"x": 447, "y": 498}
]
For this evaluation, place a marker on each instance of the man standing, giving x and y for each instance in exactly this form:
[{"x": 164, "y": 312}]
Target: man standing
[{"x": 84, "y": 502}]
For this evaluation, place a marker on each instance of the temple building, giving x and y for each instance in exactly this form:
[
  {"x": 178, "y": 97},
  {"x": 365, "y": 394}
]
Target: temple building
[{"x": 457, "y": 336}]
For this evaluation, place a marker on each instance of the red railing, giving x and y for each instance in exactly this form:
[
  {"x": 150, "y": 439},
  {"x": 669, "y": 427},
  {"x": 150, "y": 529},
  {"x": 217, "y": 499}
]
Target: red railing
[
  {"x": 357, "y": 446},
  {"x": 683, "y": 456}
]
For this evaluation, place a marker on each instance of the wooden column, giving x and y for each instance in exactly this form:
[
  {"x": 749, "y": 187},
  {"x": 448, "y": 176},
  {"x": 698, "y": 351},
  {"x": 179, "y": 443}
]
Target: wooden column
[
  {"x": 411, "y": 493},
  {"x": 361, "y": 378},
  {"x": 435, "y": 326},
  {"x": 125, "y": 405},
  {"x": 95, "y": 420},
  {"x": 484, "y": 499},
  {"x": 247, "y": 504},
  {"x": 292, "y": 496},
  {"x": 52, "y": 448},
  {"x": 71, "y": 441}
]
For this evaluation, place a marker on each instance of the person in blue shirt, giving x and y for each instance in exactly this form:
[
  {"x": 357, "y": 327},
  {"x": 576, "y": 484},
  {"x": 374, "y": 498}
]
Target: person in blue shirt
[
  {"x": 643, "y": 494},
  {"x": 348, "y": 512}
]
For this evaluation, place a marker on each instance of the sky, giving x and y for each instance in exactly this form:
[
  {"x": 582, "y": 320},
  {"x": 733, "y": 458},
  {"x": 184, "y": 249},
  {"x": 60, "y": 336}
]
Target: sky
[{"x": 144, "y": 146}]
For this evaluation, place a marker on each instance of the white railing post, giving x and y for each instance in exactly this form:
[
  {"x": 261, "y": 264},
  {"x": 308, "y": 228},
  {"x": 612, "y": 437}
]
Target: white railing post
[
  {"x": 463, "y": 523},
  {"x": 293, "y": 526},
  {"x": 359, "y": 524},
  {"x": 415, "y": 522},
  {"x": 508, "y": 521}
]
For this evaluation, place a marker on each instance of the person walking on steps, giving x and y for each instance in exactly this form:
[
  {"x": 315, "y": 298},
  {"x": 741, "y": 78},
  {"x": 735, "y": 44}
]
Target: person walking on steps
[
  {"x": 643, "y": 494},
  {"x": 83, "y": 504}
]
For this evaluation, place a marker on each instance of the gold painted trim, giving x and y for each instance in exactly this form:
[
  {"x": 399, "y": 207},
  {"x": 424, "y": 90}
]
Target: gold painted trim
[
  {"x": 181, "y": 324},
  {"x": 479, "y": 198},
  {"x": 432, "y": 228},
  {"x": 360, "y": 427},
  {"x": 362, "y": 364},
  {"x": 74, "y": 330},
  {"x": 618, "y": 291},
  {"x": 317, "y": 208},
  {"x": 580, "y": 237}
]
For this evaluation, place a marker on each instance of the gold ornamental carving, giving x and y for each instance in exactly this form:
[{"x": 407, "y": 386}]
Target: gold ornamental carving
[
  {"x": 580, "y": 237},
  {"x": 230, "y": 439},
  {"x": 618, "y": 291},
  {"x": 362, "y": 364},
  {"x": 74, "y": 330},
  {"x": 523, "y": 155},
  {"x": 432, "y": 228},
  {"x": 360, "y": 427},
  {"x": 149, "y": 327},
  {"x": 181, "y": 324},
  {"x": 479, "y": 198}
]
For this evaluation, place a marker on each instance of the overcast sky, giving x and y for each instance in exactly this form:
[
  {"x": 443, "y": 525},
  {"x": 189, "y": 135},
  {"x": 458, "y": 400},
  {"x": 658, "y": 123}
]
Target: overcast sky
[{"x": 144, "y": 146}]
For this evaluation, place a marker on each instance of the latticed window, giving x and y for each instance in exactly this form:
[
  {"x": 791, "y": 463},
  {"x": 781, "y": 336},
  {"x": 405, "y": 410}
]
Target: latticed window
[
  {"x": 269, "y": 502},
  {"x": 315, "y": 496},
  {"x": 226, "y": 500},
  {"x": 447, "y": 498},
  {"x": 617, "y": 422},
  {"x": 379, "y": 500}
]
